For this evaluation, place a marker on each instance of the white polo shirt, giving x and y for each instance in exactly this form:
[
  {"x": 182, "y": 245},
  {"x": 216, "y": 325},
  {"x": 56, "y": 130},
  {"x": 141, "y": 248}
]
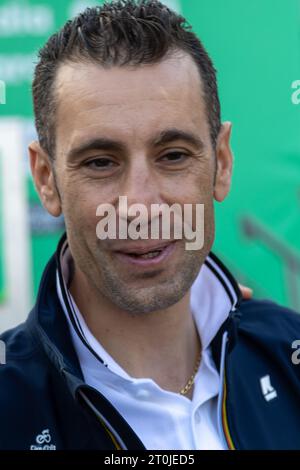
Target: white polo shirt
[{"x": 161, "y": 419}]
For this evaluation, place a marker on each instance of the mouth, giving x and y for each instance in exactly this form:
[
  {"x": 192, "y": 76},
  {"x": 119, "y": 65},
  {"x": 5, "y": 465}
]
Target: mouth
[{"x": 147, "y": 256}]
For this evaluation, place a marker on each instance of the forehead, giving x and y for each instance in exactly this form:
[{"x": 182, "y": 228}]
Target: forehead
[{"x": 128, "y": 102}]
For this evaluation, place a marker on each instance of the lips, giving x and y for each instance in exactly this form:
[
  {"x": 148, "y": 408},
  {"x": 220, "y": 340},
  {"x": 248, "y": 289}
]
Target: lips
[
  {"x": 139, "y": 249},
  {"x": 146, "y": 256}
]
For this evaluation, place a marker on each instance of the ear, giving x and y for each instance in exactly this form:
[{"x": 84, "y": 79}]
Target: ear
[
  {"x": 224, "y": 161},
  {"x": 44, "y": 178}
]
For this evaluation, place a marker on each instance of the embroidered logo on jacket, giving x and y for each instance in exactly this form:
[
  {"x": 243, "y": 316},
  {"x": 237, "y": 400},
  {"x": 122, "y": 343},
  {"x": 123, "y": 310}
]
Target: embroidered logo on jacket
[
  {"x": 269, "y": 392},
  {"x": 43, "y": 438}
]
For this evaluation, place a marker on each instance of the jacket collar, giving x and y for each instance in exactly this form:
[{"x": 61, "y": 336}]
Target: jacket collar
[
  {"x": 214, "y": 294},
  {"x": 50, "y": 324}
]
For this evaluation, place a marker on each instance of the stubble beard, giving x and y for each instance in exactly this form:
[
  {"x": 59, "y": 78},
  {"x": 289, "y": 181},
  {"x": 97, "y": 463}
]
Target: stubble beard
[{"x": 163, "y": 293}]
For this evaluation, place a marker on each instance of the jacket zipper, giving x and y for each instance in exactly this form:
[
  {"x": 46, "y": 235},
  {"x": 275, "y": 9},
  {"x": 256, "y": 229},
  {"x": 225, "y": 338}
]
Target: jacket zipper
[
  {"x": 113, "y": 435},
  {"x": 222, "y": 417}
]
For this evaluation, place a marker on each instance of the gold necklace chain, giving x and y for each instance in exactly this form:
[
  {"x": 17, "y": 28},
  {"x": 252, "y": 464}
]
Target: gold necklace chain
[{"x": 190, "y": 382}]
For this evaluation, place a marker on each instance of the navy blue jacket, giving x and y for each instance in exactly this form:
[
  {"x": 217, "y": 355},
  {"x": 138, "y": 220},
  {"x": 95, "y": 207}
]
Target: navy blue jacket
[{"x": 45, "y": 403}]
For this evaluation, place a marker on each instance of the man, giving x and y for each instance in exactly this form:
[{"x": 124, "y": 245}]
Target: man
[{"x": 143, "y": 343}]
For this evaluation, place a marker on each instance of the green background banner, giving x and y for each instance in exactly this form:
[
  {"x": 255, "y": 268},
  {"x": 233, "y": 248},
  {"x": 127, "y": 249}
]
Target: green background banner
[{"x": 255, "y": 46}]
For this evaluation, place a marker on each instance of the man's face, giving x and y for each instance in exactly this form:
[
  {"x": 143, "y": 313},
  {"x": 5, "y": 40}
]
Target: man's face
[{"x": 132, "y": 109}]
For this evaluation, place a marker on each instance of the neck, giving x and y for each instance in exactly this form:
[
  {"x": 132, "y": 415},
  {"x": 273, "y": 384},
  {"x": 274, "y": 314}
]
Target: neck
[{"x": 162, "y": 345}]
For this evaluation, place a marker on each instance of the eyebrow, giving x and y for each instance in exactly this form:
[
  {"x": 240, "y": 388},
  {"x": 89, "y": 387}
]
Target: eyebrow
[
  {"x": 165, "y": 137},
  {"x": 98, "y": 143},
  {"x": 170, "y": 135}
]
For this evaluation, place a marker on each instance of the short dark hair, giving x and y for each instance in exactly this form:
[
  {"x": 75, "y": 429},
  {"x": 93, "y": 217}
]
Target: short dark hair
[{"x": 123, "y": 32}]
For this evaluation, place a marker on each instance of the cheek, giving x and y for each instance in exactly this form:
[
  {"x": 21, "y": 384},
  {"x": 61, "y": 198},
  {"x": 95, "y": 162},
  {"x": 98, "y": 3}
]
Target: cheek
[
  {"x": 79, "y": 208},
  {"x": 200, "y": 191},
  {"x": 195, "y": 189}
]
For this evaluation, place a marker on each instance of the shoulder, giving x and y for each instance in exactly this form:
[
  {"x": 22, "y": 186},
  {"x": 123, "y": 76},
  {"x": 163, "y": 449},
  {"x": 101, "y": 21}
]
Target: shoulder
[
  {"x": 23, "y": 366},
  {"x": 18, "y": 342},
  {"x": 256, "y": 312},
  {"x": 26, "y": 390},
  {"x": 269, "y": 323}
]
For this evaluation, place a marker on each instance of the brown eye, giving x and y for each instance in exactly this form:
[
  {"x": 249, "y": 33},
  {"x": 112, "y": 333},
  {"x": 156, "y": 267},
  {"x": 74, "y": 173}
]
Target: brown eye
[
  {"x": 175, "y": 157},
  {"x": 100, "y": 164}
]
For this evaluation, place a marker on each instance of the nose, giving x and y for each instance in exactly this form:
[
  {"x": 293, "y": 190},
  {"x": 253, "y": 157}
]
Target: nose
[{"x": 140, "y": 186}]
